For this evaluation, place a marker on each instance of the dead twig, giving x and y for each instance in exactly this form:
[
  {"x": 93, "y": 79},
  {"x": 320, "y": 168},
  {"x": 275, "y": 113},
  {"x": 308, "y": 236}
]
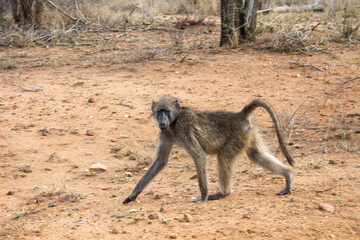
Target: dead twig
[
  {"x": 63, "y": 12},
  {"x": 342, "y": 84},
  {"x": 306, "y": 65},
  {"x": 138, "y": 7},
  {"x": 24, "y": 87}
]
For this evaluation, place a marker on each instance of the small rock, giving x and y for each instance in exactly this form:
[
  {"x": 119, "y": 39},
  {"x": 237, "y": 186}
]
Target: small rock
[
  {"x": 153, "y": 216},
  {"x": 98, "y": 167},
  {"x": 132, "y": 211},
  {"x": 193, "y": 177},
  {"x": 45, "y": 131},
  {"x": 75, "y": 132},
  {"x": 118, "y": 216},
  {"x": 52, "y": 205},
  {"x": 91, "y": 100},
  {"x": 128, "y": 174},
  {"x": 54, "y": 157},
  {"x": 158, "y": 196},
  {"x": 10, "y": 192},
  {"x": 245, "y": 216},
  {"x": 113, "y": 230},
  {"x": 173, "y": 236},
  {"x": 327, "y": 207},
  {"x": 124, "y": 136},
  {"x": 187, "y": 217},
  {"x": 132, "y": 157},
  {"x": 90, "y": 133},
  {"x": 333, "y": 162},
  {"x": 25, "y": 169},
  {"x": 74, "y": 165},
  {"x": 162, "y": 209},
  {"x": 48, "y": 169}
]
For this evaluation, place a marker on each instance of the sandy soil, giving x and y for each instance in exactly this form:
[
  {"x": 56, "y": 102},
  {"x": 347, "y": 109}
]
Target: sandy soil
[{"x": 51, "y": 133}]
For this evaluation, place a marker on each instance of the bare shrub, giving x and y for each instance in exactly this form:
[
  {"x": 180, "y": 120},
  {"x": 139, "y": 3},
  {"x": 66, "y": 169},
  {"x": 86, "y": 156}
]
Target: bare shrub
[
  {"x": 290, "y": 41},
  {"x": 346, "y": 18}
]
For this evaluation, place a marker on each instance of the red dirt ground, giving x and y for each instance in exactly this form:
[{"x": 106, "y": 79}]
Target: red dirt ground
[{"x": 47, "y": 193}]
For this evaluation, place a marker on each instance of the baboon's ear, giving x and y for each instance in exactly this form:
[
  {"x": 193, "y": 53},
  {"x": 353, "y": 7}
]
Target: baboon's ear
[
  {"x": 177, "y": 104},
  {"x": 153, "y": 106}
]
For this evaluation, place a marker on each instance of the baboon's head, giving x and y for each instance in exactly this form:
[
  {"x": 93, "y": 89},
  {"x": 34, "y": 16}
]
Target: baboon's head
[{"x": 165, "y": 111}]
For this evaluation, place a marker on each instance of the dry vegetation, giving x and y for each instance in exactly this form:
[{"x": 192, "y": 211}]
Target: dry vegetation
[
  {"x": 66, "y": 22},
  {"x": 90, "y": 64}
]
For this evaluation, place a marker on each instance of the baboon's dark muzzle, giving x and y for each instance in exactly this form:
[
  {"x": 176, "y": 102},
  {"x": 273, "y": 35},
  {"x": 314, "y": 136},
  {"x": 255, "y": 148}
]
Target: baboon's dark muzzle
[{"x": 163, "y": 121}]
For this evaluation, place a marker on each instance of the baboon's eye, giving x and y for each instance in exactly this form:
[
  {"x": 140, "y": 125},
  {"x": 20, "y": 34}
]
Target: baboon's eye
[{"x": 166, "y": 110}]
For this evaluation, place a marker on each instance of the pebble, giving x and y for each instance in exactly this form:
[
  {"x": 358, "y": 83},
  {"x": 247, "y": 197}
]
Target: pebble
[
  {"x": 118, "y": 216},
  {"x": 128, "y": 174},
  {"x": 333, "y": 162},
  {"x": 10, "y": 192},
  {"x": 45, "y": 131},
  {"x": 187, "y": 217},
  {"x": 98, "y": 167},
  {"x": 90, "y": 133},
  {"x": 158, "y": 196},
  {"x": 26, "y": 169},
  {"x": 327, "y": 207},
  {"x": 54, "y": 157},
  {"x": 113, "y": 231},
  {"x": 75, "y": 132},
  {"x": 153, "y": 216},
  {"x": 173, "y": 236}
]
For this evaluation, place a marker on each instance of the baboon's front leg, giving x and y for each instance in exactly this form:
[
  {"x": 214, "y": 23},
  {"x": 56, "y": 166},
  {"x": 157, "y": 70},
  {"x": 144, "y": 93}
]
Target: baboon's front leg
[{"x": 161, "y": 157}]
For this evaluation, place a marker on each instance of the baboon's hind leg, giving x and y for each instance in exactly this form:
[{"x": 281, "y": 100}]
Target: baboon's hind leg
[
  {"x": 258, "y": 153},
  {"x": 225, "y": 165}
]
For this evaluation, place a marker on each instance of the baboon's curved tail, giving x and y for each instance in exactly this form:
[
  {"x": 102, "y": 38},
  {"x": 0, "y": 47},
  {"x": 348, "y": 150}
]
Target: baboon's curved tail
[{"x": 245, "y": 112}]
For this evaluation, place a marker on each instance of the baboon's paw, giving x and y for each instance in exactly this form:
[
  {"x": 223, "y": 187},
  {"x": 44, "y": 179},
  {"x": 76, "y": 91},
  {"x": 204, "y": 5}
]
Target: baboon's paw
[
  {"x": 284, "y": 191},
  {"x": 216, "y": 196}
]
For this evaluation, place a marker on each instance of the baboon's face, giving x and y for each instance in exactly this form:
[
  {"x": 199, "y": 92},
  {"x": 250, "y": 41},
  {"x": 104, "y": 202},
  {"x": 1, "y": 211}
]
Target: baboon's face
[{"x": 165, "y": 112}]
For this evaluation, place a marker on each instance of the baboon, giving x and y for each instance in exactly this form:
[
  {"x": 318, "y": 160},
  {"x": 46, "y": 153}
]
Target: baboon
[{"x": 226, "y": 134}]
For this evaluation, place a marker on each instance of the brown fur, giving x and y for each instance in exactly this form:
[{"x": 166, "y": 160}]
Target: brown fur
[{"x": 226, "y": 134}]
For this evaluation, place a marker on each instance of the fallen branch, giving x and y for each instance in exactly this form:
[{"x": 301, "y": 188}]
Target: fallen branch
[
  {"x": 62, "y": 11},
  {"x": 342, "y": 84},
  {"x": 306, "y": 65}
]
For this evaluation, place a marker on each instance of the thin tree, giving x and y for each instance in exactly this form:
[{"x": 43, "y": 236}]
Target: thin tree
[{"x": 238, "y": 21}]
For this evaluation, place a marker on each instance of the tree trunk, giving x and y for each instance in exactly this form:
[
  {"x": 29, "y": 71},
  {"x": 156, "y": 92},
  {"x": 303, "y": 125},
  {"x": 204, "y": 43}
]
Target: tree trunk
[
  {"x": 27, "y": 12},
  {"x": 238, "y": 21}
]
